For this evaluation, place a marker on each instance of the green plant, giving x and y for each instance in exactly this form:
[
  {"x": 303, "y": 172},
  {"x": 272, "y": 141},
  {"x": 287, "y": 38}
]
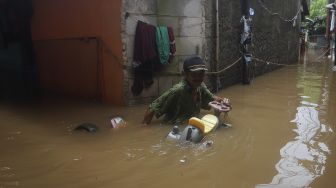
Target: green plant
[{"x": 318, "y": 9}]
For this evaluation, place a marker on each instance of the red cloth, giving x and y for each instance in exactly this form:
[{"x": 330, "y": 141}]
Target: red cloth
[{"x": 171, "y": 41}]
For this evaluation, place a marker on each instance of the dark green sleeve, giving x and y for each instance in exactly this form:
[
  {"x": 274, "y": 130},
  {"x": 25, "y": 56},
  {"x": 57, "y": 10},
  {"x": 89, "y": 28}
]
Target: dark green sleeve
[
  {"x": 207, "y": 97},
  {"x": 164, "y": 103}
]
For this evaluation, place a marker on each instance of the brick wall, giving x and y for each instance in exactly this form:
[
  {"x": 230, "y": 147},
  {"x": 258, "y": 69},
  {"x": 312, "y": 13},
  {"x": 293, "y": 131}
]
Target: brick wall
[{"x": 187, "y": 19}]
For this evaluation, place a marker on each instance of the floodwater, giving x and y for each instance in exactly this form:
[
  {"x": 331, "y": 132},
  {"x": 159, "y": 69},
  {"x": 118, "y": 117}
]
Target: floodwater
[{"x": 282, "y": 135}]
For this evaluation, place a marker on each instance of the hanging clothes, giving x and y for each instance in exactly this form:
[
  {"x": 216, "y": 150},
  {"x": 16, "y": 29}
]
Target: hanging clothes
[
  {"x": 246, "y": 35},
  {"x": 330, "y": 19},
  {"x": 332, "y": 22},
  {"x": 172, "y": 43},
  {"x": 145, "y": 57},
  {"x": 163, "y": 45},
  {"x": 144, "y": 43}
]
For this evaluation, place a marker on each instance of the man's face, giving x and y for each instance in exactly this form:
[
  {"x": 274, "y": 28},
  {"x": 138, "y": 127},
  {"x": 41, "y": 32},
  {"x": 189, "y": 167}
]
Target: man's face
[{"x": 195, "y": 79}]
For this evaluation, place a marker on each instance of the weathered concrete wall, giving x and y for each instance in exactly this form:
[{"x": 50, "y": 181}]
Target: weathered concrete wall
[
  {"x": 194, "y": 23},
  {"x": 132, "y": 11},
  {"x": 187, "y": 17},
  {"x": 210, "y": 38},
  {"x": 274, "y": 39},
  {"x": 229, "y": 38}
]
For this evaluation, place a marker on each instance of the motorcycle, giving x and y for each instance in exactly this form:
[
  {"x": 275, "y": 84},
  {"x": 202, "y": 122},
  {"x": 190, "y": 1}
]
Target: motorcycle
[{"x": 197, "y": 129}]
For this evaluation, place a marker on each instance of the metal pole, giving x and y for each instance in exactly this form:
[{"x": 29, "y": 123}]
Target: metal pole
[{"x": 217, "y": 45}]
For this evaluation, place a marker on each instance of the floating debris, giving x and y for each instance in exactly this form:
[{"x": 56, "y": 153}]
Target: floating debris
[
  {"x": 184, "y": 159},
  {"x": 89, "y": 127},
  {"x": 117, "y": 122}
]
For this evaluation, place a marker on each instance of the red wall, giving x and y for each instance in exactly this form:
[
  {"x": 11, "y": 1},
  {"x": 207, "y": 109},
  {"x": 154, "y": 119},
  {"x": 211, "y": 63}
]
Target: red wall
[{"x": 63, "y": 19}]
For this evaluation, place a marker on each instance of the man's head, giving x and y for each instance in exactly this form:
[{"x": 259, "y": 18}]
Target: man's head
[{"x": 194, "y": 69}]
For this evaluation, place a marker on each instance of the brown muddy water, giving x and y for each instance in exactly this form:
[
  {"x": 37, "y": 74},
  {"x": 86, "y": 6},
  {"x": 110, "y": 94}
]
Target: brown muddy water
[{"x": 282, "y": 135}]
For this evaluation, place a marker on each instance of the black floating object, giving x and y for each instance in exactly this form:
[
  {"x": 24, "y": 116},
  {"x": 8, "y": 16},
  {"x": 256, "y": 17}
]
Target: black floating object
[{"x": 89, "y": 127}]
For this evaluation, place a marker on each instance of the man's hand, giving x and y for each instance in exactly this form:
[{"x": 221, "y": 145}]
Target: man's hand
[{"x": 148, "y": 117}]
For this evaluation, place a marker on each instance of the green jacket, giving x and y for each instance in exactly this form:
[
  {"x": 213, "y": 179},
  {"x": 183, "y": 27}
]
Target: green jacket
[{"x": 177, "y": 103}]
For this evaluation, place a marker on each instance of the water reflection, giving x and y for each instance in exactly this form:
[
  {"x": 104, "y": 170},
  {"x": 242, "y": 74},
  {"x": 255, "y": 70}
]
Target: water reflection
[{"x": 303, "y": 159}]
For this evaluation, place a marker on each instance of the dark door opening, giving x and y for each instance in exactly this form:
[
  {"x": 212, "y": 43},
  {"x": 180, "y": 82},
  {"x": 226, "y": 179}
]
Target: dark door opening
[{"x": 18, "y": 75}]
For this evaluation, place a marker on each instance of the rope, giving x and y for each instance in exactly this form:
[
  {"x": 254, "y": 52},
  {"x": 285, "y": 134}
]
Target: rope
[
  {"x": 268, "y": 62},
  {"x": 228, "y": 67},
  {"x": 208, "y": 73},
  {"x": 162, "y": 15},
  {"x": 277, "y": 14},
  {"x": 219, "y": 72},
  {"x": 323, "y": 54}
]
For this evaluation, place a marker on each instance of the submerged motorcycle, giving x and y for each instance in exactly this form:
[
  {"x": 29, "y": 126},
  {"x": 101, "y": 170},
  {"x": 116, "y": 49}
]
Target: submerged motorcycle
[{"x": 197, "y": 129}]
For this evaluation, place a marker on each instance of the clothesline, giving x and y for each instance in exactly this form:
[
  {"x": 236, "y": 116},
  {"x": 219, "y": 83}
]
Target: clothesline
[
  {"x": 277, "y": 14},
  {"x": 269, "y": 62},
  {"x": 160, "y": 15},
  {"x": 192, "y": 25}
]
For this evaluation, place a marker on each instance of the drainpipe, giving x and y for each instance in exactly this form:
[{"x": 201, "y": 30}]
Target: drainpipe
[{"x": 217, "y": 45}]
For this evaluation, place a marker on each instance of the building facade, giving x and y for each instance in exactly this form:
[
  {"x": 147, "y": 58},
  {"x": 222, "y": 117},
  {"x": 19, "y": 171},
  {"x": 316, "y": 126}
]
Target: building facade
[{"x": 85, "y": 48}]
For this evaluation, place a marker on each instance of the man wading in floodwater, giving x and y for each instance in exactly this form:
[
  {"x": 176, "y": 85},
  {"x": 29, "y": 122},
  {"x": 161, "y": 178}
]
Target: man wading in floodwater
[{"x": 185, "y": 99}]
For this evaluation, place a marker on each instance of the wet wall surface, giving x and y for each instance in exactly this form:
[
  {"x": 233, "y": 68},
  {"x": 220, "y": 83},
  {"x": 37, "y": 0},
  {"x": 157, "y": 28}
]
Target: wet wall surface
[{"x": 282, "y": 135}]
